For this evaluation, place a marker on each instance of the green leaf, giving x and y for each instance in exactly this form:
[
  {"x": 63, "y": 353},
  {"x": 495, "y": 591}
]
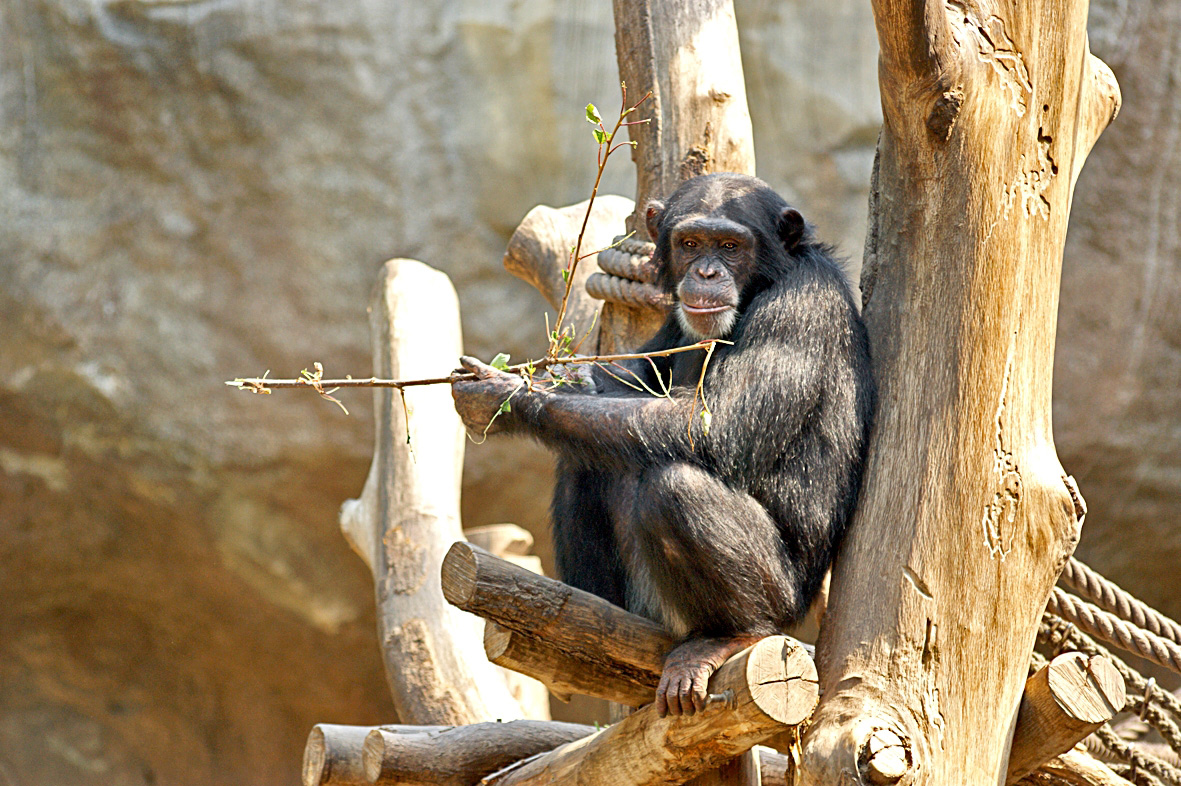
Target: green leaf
[
  {"x": 706, "y": 418},
  {"x": 505, "y": 407},
  {"x": 565, "y": 275},
  {"x": 500, "y": 361},
  {"x": 592, "y": 115},
  {"x": 601, "y": 136}
]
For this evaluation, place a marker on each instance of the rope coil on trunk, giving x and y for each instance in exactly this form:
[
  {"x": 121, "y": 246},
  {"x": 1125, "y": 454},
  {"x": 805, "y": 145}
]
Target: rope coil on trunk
[{"x": 628, "y": 276}]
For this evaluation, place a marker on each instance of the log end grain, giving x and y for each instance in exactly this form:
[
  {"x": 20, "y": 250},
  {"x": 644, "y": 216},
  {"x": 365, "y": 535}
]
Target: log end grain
[
  {"x": 459, "y": 574},
  {"x": 782, "y": 680}
]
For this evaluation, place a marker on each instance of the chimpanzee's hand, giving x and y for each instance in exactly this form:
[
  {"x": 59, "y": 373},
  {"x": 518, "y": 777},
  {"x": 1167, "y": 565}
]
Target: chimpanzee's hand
[{"x": 478, "y": 401}]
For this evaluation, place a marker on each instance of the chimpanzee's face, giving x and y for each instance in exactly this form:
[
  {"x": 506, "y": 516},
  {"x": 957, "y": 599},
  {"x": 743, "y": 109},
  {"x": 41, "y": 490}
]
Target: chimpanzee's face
[{"x": 711, "y": 258}]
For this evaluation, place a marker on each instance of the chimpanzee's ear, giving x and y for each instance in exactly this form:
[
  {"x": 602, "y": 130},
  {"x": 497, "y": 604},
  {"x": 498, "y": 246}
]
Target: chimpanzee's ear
[
  {"x": 791, "y": 227},
  {"x": 652, "y": 216}
]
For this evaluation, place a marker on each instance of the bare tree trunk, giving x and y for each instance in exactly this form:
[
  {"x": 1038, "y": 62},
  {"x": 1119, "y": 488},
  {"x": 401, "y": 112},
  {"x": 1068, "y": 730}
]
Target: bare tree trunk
[
  {"x": 408, "y": 513},
  {"x": 686, "y": 53},
  {"x": 966, "y": 517}
]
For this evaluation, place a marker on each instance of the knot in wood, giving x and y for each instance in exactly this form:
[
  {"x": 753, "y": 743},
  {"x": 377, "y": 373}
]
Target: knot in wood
[{"x": 885, "y": 758}]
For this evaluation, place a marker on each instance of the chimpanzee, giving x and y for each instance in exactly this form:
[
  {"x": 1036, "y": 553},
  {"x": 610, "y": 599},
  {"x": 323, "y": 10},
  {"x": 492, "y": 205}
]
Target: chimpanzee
[{"x": 719, "y": 526}]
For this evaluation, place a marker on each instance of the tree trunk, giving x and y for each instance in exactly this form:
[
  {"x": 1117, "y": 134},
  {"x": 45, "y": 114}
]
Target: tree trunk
[
  {"x": 686, "y": 53},
  {"x": 408, "y": 513},
  {"x": 966, "y": 516}
]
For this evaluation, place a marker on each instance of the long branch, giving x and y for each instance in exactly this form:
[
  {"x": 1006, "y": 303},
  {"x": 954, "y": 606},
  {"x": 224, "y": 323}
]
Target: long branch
[{"x": 260, "y": 384}]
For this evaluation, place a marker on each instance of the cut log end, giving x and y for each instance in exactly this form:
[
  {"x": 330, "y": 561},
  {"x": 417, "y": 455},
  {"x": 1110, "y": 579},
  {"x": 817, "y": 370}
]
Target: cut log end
[
  {"x": 782, "y": 680},
  {"x": 313, "y": 758},
  {"x": 459, "y": 574}
]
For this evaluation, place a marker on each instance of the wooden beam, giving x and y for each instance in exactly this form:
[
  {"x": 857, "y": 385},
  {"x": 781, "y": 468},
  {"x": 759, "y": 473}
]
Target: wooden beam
[
  {"x": 1074, "y": 768},
  {"x": 408, "y": 512},
  {"x": 762, "y": 691},
  {"x": 686, "y": 53},
  {"x": 458, "y": 755},
  {"x": 566, "y": 619},
  {"x": 1066, "y": 700},
  {"x": 332, "y": 756},
  {"x": 566, "y": 673}
]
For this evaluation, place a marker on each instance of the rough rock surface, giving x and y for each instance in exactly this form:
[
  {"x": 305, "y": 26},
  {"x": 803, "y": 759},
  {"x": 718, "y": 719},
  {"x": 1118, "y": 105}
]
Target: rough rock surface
[{"x": 193, "y": 191}]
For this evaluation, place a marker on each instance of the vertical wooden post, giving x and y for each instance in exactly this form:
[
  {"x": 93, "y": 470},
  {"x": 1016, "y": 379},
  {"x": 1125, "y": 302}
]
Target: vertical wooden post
[
  {"x": 408, "y": 513},
  {"x": 966, "y": 516},
  {"x": 686, "y": 53}
]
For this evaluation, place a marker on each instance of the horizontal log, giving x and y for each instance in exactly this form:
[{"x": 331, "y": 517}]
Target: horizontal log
[
  {"x": 564, "y": 673},
  {"x": 765, "y": 689},
  {"x": 458, "y": 755},
  {"x": 332, "y": 755},
  {"x": 1064, "y": 701},
  {"x": 567, "y": 619}
]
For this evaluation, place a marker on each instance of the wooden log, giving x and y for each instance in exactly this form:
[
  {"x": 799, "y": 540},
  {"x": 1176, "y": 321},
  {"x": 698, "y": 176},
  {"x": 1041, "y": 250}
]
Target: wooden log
[
  {"x": 1066, "y": 700},
  {"x": 766, "y": 688},
  {"x": 513, "y": 543},
  {"x": 1074, "y": 768},
  {"x": 408, "y": 512},
  {"x": 989, "y": 110},
  {"x": 565, "y": 673},
  {"x": 566, "y": 619},
  {"x": 459, "y": 755},
  {"x": 539, "y": 251},
  {"x": 774, "y": 767},
  {"x": 332, "y": 755},
  {"x": 686, "y": 53}
]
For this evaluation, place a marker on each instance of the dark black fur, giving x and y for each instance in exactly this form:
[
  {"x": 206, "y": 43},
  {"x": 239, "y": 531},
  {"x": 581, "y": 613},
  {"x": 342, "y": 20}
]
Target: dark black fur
[{"x": 733, "y": 534}]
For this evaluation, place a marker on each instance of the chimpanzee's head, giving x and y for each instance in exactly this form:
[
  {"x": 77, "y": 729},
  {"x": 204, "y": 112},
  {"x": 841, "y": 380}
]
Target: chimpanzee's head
[{"x": 720, "y": 240}]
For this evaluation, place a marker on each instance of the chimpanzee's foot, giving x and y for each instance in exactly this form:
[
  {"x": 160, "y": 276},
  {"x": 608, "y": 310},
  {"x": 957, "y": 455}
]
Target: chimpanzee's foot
[{"x": 687, "y": 669}]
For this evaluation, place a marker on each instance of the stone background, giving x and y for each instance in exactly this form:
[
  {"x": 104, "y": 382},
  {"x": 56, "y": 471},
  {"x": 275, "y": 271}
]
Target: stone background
[{"x": 193, "y": 190}]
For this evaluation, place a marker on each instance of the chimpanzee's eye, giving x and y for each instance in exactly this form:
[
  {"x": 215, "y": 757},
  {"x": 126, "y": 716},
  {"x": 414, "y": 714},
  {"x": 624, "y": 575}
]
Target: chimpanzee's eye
[
  {"x": 689, "y": 243},
  {"x": 729, "y": 245}
]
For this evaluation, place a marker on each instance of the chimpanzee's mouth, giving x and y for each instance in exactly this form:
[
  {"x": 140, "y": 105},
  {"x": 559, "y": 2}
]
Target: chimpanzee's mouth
[{"x": 705, "y": 309}]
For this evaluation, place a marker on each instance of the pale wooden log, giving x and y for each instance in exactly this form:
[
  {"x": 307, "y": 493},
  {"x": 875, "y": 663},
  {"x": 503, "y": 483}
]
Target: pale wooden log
[
  {"x": 566, "y": 619},
  {"x": 459, "y": 755},
  {"x": 332, "y": 755},
  {"x": 768, "y": 687},
  {"x": 565, "y": 673},
  {"x": 774, "y": 766},
  {"x": 408, "y": 513},
  {"x": 686, "y": 53},
  {"x": 502, "y": 540},
  {"x": 539, "y": 251},
  {"x": 965, "y": 516},
  {"x": 1074, "y": 768},
  {"x": 1064, "y": 701}
]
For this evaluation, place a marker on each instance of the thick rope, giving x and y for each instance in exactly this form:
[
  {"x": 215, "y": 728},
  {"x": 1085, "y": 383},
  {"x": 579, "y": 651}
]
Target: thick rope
[
  {"x": 620, "y": 290},
  {"x": 1111, "y": 628},
  {"x": 1108, "y": 596},
  {"x": 1140, "y": 760},
  {"x": 631, "y": 259},
  {"x": 1155, "y": 705}
]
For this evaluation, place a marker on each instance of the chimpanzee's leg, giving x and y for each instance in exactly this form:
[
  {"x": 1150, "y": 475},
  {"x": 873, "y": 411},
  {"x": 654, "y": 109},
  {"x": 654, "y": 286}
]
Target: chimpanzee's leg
[
  {"x": 719, "y": 569},
  {"x": 585, "y": 549}
]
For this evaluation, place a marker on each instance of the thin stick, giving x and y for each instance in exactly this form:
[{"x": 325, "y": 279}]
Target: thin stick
[{"x": 262, "y": 384}]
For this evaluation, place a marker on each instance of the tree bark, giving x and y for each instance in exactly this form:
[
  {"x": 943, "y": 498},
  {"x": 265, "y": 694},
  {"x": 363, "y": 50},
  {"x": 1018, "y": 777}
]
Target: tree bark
[
  {"x": 408, "y": 513},
  {"x": 461, "y": 755},
  {"x": 1066, "y": 700},
  {"x": 766, "y": 688},
  {"x": 686, "y": 53},
  {"x": 566, "y": 673},
  {"x": 564, "y": 618},
  {"x": 966, "y": 515}
]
